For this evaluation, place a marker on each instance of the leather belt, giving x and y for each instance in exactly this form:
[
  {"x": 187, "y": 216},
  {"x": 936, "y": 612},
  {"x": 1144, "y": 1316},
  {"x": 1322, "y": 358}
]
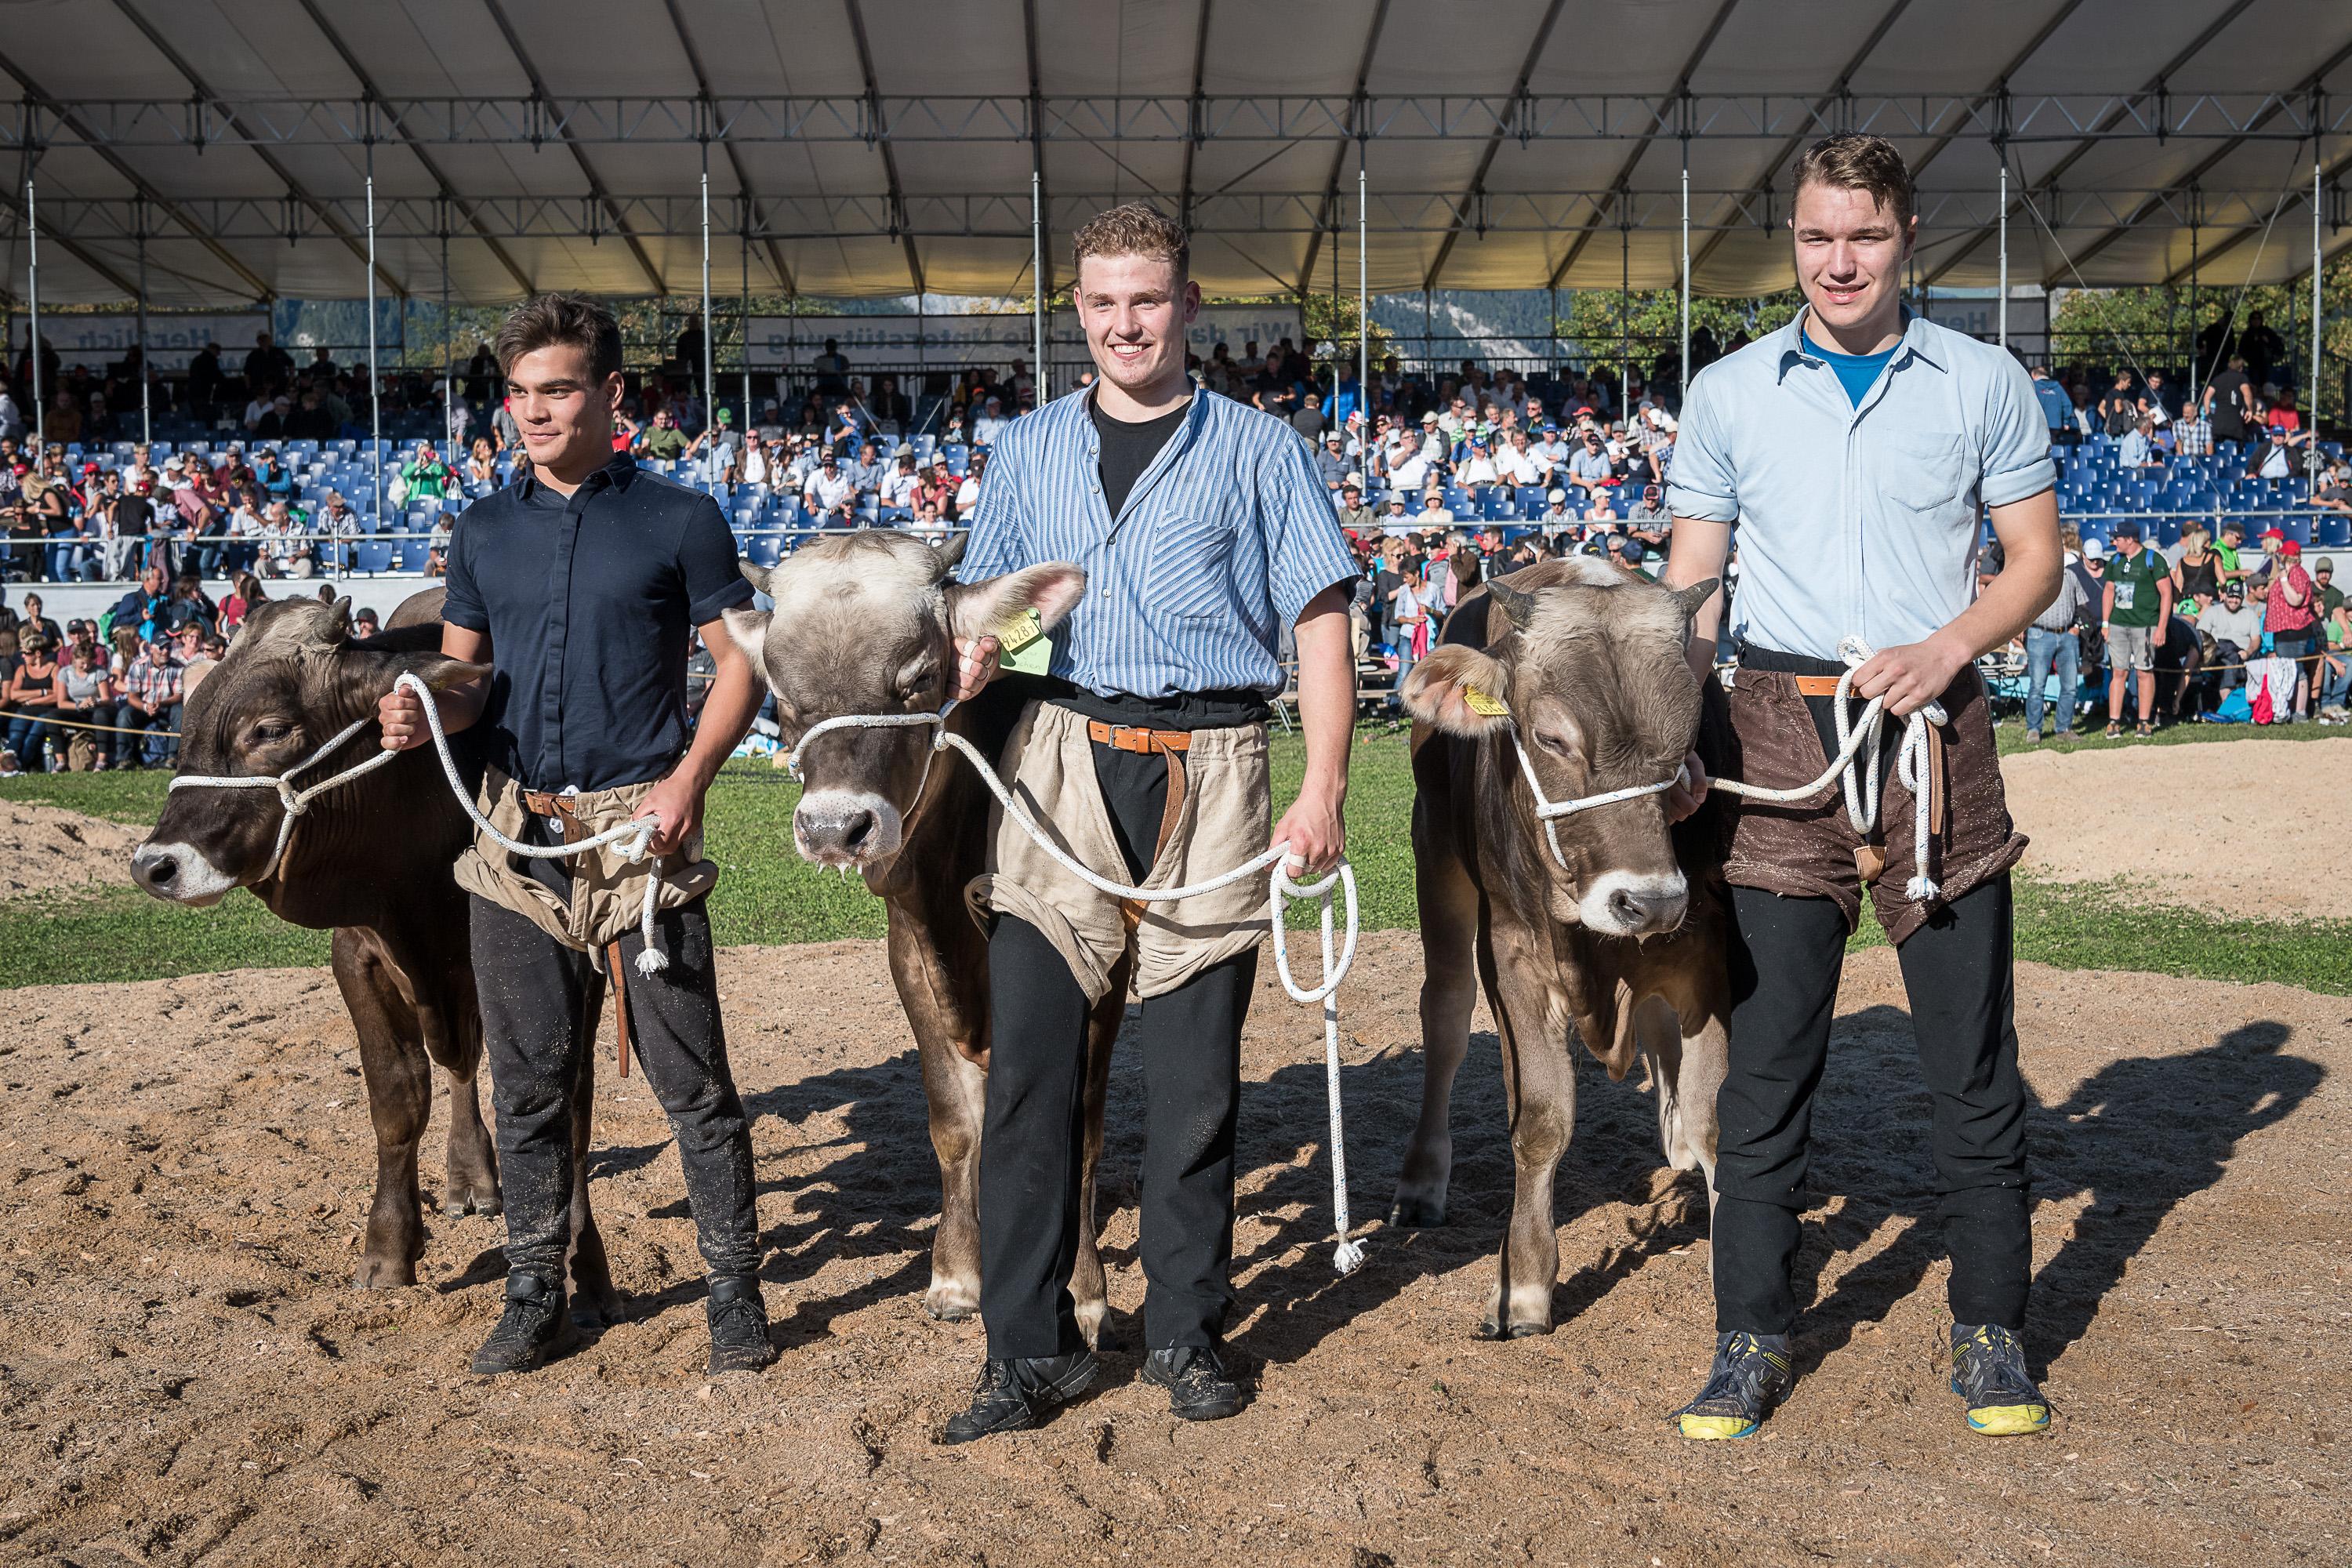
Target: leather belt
[
  {"x": 1817, "y": 685},
  {"x": 1137, "y": 738},
  {"x": 557, "y": 808}
]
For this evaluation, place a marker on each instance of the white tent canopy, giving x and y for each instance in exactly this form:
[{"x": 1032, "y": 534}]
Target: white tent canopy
[{"x": 881, "y": 147}]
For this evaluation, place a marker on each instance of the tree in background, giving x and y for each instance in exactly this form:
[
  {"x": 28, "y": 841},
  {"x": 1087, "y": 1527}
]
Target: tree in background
[
  {"x": 2117, "y": 329},
  {"x": 1594, "y": 330}
]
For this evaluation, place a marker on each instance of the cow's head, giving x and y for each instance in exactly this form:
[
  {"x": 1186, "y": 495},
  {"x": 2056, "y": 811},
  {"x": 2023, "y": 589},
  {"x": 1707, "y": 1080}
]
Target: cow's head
[
  {"x": 1589, "y": 661},
  {"x": 864, "y": 623},
  {"x": 295, "y": 679}
]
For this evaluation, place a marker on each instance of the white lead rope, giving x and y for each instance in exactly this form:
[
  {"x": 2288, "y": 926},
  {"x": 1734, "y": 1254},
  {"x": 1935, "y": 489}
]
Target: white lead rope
[
  {"x": 630, "y": 839},
  {"x": 1857, "y": 737},
  {"x": 1347, "y": 1254}
]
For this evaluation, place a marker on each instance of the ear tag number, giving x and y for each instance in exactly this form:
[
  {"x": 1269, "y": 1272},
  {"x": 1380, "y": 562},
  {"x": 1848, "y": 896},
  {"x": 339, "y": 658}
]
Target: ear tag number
[
  {"x": 1482, "y": 705},
  {"x": 1023, "y": 645}
]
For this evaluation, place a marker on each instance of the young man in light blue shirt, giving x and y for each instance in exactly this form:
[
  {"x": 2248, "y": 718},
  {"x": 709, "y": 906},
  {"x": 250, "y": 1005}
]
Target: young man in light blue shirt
[{"x": 1854, "y": 448}]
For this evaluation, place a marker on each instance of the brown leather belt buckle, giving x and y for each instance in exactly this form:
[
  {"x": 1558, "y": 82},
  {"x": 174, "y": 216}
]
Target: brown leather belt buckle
[{"x": 1136, "y": 739}]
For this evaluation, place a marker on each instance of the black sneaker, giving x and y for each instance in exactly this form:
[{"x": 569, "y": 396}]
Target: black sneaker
[
  {"x": 1014, "y": 1396},
  {"x": 535, "y": 1324},
  {"x": 739, "y": 1325},
  {"x": 1750, "y": 1377},
  {"x": 1199, "y": 1388},
  {"x": 1989, "y": 1372}
]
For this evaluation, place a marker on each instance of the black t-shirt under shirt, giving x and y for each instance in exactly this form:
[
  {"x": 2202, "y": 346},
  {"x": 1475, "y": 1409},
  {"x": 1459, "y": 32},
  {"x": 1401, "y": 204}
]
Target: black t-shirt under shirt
[{"x": 1128, "y": 449}]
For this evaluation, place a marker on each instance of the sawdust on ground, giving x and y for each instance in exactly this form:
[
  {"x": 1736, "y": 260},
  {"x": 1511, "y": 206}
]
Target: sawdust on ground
[
  {"x": 186, "y": 1374},
  {"x": 2250, "y": 828},
  {"x": 45, "y": 849}
]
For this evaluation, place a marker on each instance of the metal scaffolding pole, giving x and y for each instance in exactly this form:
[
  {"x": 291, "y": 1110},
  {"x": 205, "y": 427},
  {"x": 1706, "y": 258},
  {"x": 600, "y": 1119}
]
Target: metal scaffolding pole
[
  {"x": 1363, "y": 304},
  {"x": 1685, "y": 363},
  {"x": 1625, "y": 325},
  {"x": 709, "y": 385},
  {"x": 32, "y": 321},
  {"x": 2318, "y": 262},
  {"x": 743, "y": 319},
  {"x": 375, "y": 384},
  {"x": 448, "y": 361},
  {"x": 146, "y": 412},
  {"x": 2003, "y": 316},
  {"x": 1037, "y": 283}
]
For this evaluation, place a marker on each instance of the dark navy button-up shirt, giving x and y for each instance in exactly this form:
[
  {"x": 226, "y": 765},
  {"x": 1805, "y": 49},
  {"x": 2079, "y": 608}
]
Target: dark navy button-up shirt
[{"x": 588, "y": 601}]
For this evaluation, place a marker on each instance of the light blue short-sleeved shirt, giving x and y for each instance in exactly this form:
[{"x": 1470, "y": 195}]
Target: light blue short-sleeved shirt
[
  {"x": 1223, "y": 541},
  {"x": 1857, "y": 518}
]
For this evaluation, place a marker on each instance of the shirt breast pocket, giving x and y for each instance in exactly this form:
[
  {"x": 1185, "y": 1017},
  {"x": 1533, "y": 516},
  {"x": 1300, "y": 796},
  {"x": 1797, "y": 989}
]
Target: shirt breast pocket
[
  {"x": 1190, "y": 567},
  {"x": 1925, "y": 474}
]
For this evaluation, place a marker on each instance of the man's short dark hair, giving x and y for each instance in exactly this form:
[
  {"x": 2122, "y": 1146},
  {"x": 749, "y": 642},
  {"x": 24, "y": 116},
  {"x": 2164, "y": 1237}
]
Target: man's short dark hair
[
  {"x": 1856, "y": 161},
  {"x": 562, "y": 321}
]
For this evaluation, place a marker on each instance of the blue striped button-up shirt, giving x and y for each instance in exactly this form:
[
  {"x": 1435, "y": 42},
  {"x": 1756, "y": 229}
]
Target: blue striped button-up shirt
[
  {"x": 1223, "y": 541},
  {"x": 1857, "y": 520}
]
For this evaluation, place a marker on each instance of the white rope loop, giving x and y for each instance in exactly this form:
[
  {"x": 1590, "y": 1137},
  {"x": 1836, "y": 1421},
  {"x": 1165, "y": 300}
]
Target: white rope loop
[
  {"x": 1347, "y": 1254},
  {"x": 630, "y": 840}
]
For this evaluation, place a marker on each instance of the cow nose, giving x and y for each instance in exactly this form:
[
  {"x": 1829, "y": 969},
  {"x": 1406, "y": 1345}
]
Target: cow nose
[
  {"x": 1623, "y": 905},
  {"x": 835, "y": 827},
  {"x": 156, "y": 869}
]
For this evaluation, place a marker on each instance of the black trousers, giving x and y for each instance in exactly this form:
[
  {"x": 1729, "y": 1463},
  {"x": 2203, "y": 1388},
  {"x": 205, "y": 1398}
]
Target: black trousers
[
  {"x": 1033, "y": 1140},
  {"x": 1785, "y": 958},
  {"x": 541, "y": 1004}
]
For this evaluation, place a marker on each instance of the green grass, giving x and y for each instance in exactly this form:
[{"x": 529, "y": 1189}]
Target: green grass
[{"x": 768, "y": 895}]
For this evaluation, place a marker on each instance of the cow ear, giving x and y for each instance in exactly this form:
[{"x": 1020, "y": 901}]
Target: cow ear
[
  {"x": 1694, "y": 597},
  {"x": 755, "y": 575},
  {"x": 1458, "y": 688},
  {"x": 977, "y": 609},
  {"x": 748, "y": 629}
]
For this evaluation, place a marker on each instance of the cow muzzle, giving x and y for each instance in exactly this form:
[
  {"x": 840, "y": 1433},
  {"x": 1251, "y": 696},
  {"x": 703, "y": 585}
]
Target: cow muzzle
[
  {"x": 845, "y": 829},
  {"x": 178, "y": 874},
  {"x": 1623, "y": 903}
]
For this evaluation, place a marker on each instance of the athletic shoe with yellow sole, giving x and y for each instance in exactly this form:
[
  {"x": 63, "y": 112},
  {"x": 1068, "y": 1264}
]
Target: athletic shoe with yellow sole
[
  {"x": 1989, "y": 1372},
  {"x": 1750, "y": 1375}
]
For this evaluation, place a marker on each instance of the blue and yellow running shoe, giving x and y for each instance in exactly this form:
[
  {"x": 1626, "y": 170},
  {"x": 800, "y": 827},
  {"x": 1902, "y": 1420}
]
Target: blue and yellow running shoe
[
  {"x": 1750, "y": 1377},
  {"x": 1989, "y": 1372}
]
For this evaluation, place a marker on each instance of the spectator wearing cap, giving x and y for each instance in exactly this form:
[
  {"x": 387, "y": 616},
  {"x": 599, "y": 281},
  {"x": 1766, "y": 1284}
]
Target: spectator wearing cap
[
  {"x": 1411, "y": 469},
  {"x": 2336, "y": 626},
  {"x": 1434, "y": 512},
  {"x": 2334, "y": 492},
  {"x": 2274, "y": 458},
  {"x": 1477, "y": 468},
  {"x": 1556, "y": 518},
  {"x": 2136, "y": 604},
  {"x": 1651, "y": 522},
  {"x": 1551, "y": 452},
  {"x": 1589, "y": 469},
  {"x": 828, "y": 488},
  {"x": 2291, "y": 616},
  {"x": 150, "y": 691},
  {"x": 1397, "y": 517},
  {"x": 2236, "y": 628},
  {"x": 991, "y": 422},
  {"x": 966, "y": 494},
  {"x": 1331, "y": 461}
]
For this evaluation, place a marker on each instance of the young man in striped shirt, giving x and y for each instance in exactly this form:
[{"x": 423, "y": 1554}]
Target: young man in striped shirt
[{"x": 1203, "y": 529}]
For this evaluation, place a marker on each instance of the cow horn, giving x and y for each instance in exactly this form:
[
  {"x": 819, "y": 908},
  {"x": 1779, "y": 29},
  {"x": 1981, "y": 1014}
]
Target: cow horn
[
  {"x": 1694, "y": 596},
  {"x": 950, "y": 555},
  {"x": 338, "y": 616},
  {"x": 755, "y": 575},
  {"x": 1517, "y": 604}
]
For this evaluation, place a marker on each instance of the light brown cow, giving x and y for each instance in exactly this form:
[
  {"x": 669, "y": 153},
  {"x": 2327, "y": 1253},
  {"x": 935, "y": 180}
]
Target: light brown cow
[
  {"x": 863, "y": 624},
  {"x": 1622, "y": 945}
]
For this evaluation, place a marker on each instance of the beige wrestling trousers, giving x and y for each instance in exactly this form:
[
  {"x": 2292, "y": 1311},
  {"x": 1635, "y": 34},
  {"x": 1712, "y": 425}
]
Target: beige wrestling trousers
[{"x": 1222, "y": 807}]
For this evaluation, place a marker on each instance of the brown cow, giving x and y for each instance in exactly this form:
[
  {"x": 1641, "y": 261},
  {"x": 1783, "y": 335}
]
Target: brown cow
[
  {"x": 863, "y": 624},
  {"x": 1623, "y": 945},
  {"x": 370, "y": 860}
]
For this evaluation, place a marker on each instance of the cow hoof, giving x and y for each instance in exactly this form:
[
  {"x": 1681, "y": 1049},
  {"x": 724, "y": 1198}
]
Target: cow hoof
[
  {"x": 457, "y": 1204},
  {"x": 1094, "y": 1326},
  {"x": 1417, "y": 1212},
  {"x": 949, "y": 1301},
  {"x": 592, "y": 1310},
  {"x": 1490, "y": 1329},
  {"x": 383, "y": 1273}
]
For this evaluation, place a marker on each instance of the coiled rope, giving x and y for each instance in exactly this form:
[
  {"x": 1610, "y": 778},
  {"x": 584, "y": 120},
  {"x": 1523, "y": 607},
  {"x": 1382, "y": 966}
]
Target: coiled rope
[
  {"x": 1347, "y": 1254},
  {"x": 630, "y": 840}
]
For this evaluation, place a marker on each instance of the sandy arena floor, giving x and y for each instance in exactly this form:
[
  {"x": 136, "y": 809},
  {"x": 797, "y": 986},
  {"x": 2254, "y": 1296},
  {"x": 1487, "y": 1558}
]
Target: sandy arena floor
[
  {"x": 2230, "y": 827},
  {"x": 46, "y": 849},
  {"x": 185, "y": 1377}
]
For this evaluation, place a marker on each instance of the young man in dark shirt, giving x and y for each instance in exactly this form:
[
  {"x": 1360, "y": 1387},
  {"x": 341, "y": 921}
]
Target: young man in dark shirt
[{"x": 575, "y": 590}]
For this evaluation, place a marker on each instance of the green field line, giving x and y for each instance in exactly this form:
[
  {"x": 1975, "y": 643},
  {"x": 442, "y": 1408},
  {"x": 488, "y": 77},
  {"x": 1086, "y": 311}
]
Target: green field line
[{"x": 767, "y": 895}]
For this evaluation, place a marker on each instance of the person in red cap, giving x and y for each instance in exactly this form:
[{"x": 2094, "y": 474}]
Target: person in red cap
[{"x": 2291, "y": 615}]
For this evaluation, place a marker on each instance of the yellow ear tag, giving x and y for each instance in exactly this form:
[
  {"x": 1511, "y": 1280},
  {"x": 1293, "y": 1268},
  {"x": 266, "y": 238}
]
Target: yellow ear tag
[
  {"x": 1022, "y": 646},
  {"x": 1485, "y": 707}
]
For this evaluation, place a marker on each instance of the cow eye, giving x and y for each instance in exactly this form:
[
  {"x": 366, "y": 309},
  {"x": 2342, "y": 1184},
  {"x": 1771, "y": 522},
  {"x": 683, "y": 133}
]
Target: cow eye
[
  {"x": 270, "y": 732},
  {"x": 1553, "y": 743}
]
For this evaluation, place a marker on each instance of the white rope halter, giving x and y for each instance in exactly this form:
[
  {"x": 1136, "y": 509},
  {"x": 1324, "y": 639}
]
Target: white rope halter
[
  {"x": 1347, "y": 1254},
  {"x": 1855, "y": 766},
  {"x": 629, "y": 840}
]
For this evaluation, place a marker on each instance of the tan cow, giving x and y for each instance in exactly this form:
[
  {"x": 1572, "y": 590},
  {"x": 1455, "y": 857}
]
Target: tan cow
[
  {"x": 863, "y": 624},
  {"x": 1622, "y": 944}
]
